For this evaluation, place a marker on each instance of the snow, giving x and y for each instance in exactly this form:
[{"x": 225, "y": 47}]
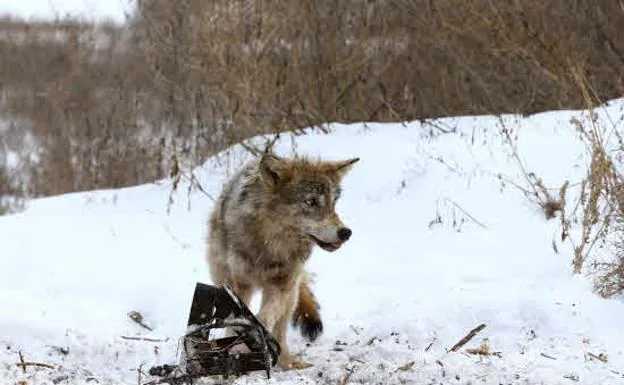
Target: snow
[
  {"x": 110, "y": 10},
  {"x": 440, "y": 245}
]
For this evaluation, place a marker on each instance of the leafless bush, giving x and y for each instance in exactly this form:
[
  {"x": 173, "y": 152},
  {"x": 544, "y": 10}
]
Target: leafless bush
[
  {"x": 10, "y": 192},
  {"x": 610, "y": 275},
  {"x": 79, "y": 97},
  {"x": 598, "y": 203},
  {"x": 602, "y": 199},
  {"x": 107, "y": 105},
  {"x": 595, "y": 203}
]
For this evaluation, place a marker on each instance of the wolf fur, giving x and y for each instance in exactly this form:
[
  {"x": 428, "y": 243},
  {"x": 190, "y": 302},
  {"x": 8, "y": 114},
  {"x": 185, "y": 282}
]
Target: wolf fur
[{"x": 262, "y": 230}]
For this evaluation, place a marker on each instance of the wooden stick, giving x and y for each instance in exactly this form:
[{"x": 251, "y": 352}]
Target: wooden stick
[
  {"x": 21, "y": 357},
  {"x": 143, "y": 339},
  {"x": 600, "y": 357},
  {"x": 24, "y": 364},
  {"x": 138, "y": 318},
  {"x": 467, "y": 338},
  {"x": 466, "y": 213},
  {"x": 345, "y": 378},
  {"x": 431, "y": 344}
]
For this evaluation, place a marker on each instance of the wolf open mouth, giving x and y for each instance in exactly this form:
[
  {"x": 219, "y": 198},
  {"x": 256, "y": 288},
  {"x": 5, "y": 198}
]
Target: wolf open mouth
[{"x": 328, "y": 246}]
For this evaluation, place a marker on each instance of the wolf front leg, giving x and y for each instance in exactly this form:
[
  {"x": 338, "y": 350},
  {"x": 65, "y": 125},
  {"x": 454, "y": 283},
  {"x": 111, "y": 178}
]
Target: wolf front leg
[
  {"x": 278, "y": 305},
  {"x": 244, "y": 292}
]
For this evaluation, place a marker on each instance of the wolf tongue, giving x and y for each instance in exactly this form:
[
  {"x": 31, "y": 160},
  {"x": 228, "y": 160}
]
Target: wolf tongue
[{"x": 337, "y": 244}]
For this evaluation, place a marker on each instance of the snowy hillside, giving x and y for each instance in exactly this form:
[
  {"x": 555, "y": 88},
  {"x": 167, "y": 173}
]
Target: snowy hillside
[{"x": 440, "y": 245}]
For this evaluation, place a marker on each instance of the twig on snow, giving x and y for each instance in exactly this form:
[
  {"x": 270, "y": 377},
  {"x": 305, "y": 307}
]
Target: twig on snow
[
  {"x": 475, "y": 220},
  {"x": 441, "y": 367},
  {"x": 21, "y": 357},
  {"x": 600, "y": 357},
  {"x": 430, "y": 344},
  {"x": 441, "y": 160},
  {"x": 467, "y": 338},
  {"x": 572, "y": 376},
  {"x": 406, "y": 367},
  {"x": 547, "y": 356},
  {"x": 138, "y": 318},
  {"x": 147, "y": 339},
  {"x": 616, "y": 373},
  {"x": 343, "y": 380},
  {"x": 24, "y": 364}
]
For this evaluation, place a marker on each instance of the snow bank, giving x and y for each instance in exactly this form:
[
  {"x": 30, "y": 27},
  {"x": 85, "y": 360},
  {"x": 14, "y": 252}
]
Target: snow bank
[{"x": 441, "y": 244}]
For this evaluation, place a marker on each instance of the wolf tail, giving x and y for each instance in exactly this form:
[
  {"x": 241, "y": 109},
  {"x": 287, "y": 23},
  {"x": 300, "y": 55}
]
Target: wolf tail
[{"x": 306, "y": 315}]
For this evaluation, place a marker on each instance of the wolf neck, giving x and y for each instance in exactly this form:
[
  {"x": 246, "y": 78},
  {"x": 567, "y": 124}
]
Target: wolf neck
[{"x": 282, "y": 243}]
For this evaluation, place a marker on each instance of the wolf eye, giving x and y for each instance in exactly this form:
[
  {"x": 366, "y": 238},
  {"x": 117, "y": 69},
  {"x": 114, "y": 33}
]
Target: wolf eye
[{"x": 311, "y": 202}]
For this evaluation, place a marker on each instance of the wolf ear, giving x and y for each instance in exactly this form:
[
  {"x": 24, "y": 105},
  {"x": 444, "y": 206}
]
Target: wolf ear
[
  {"x": 341, "y": 168},
  {"x": 271, "y": 169}
]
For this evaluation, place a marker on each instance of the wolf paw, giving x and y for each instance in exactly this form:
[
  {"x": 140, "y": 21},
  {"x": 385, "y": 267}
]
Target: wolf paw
[
  {"x": 291, "y": 363},
  {"x": 298, "y": 365},
  {"x": 311, "y": 329}
]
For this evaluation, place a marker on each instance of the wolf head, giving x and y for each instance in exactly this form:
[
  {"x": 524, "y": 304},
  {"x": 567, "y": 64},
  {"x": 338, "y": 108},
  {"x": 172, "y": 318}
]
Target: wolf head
[{"x": 303, "y": 194}]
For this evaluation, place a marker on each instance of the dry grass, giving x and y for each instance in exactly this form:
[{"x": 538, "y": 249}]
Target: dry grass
[
  {"x": 600, "y": 197},
  {"x": 599, "y": 205}
]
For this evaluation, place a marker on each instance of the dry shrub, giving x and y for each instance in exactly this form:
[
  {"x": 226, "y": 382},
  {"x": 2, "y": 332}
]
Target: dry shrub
[
  {"x": 107, "y": 105},
  {"x": 73, "y": 89},
  {"x": 596, "y": 202},
  {"x": 600, "y": 206},
  {"x": 10, "y": 192},
  {"x": 305, "y": 62},
  {"x": 610, "y": 275},
  {"x": 602, "y": 199}
]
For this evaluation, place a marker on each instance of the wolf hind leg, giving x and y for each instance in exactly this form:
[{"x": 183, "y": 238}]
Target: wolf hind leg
[{"x": 306, "y": 315}]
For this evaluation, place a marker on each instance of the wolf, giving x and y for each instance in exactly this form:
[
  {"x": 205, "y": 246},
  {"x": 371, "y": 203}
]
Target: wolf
[{"x": 262, "y": 230}]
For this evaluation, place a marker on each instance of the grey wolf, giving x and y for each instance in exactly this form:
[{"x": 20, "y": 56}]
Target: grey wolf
[{"x": 262, "y": 230}]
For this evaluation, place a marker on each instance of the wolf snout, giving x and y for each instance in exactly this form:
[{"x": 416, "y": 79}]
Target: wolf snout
[{"x": 344, "y": 234}]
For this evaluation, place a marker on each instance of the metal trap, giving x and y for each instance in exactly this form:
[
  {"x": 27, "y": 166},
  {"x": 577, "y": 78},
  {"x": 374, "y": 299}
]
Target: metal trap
[{"x": 251, "y": 349}]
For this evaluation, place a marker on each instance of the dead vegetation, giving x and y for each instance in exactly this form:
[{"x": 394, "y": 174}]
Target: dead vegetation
[
  {"x": 467, "y": 337},
  {"x": 601, "y": 213},
  {"x": 593, "y": 204},
  {"x": 97, "y": 106}
]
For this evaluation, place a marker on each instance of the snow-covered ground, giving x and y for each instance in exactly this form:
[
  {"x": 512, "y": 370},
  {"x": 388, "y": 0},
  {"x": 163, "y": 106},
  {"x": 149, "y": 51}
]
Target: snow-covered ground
[{"x": 440, "y": 245}]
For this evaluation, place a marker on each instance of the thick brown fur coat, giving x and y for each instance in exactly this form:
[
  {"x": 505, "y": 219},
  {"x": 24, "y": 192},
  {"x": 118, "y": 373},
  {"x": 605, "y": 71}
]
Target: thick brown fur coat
[{"x": 266, "y": 221}]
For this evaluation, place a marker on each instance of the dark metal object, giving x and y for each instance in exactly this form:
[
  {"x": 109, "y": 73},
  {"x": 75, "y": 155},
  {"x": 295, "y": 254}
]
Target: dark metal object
[{"x": 219, "y": 307}]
